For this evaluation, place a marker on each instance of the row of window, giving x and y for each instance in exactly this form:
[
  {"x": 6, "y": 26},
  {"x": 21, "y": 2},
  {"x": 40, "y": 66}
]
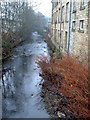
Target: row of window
[
  {"x": 67, "y": 12},
  {"x": 82, "y": 6},
  {"x": 81, "y": 25}
]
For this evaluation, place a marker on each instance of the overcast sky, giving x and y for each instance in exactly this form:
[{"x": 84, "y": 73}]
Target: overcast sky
[{"x": 44, "y": 7}]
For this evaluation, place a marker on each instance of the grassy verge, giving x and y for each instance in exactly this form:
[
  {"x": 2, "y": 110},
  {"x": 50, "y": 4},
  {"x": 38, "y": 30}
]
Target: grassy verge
[{"x": 68, "y": 78}]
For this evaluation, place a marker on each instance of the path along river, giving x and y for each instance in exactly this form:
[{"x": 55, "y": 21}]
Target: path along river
[{"x": 21, "y": 91}]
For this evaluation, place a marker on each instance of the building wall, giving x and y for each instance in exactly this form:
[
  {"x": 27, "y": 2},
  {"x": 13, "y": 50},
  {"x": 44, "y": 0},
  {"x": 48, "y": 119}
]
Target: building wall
[
  {"x": 56, "y": 23},
  {"x": 88, "y": 34},
  {"x": 77, "y": 24},
  {"x": 79, "y": 38}
]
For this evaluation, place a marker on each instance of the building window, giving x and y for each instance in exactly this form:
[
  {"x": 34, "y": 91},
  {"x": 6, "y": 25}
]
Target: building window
[
  {"x": 5, "y": 22},
  {"x": 62, "y": 36},
  {"x": 82, "y": 5},
  {"x": 56, "y": 3},
  {"x": 59, "y": 16},
  {"x": 73, "y": 25},
  {"x": 74, "y": 5},
  {"x": 66, "y": 39},
  {"x": 81, "y": 25},
  {"x": 55, "y": 18},
  {"x": 67, "y": 12},
  {"x": 59, "y": 34},
  {"x": 62, "y": 14},
  {"x": 74, "y": 16}
]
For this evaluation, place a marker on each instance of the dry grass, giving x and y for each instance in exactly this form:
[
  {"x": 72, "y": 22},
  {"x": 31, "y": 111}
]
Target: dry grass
[{"x": 70, "y": 77}]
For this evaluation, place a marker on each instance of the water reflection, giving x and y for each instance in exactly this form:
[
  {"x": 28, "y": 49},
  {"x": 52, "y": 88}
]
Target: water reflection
[{"x": 21, "y": 90}]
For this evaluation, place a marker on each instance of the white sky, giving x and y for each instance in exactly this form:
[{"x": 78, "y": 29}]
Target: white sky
[{"x": 44, "y": 7}]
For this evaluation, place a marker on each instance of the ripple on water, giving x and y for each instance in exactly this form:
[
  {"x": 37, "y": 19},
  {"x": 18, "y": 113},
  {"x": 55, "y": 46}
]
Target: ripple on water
[{"x": 24, "y": 99}]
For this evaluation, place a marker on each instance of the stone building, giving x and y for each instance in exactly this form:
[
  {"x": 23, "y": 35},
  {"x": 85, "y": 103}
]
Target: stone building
[{"x": 70, "y": 20}]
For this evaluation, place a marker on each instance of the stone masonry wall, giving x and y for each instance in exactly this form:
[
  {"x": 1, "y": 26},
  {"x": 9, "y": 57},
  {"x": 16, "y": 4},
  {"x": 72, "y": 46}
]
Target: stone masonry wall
[
  {"x": 60, "y": 30},
  {"x": 79, "y": 39}
]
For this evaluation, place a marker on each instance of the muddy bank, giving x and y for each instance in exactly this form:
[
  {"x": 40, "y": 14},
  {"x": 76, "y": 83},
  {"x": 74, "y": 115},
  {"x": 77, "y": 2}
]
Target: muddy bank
[
  {"x": 55, "y": 103},
  {"x": 65, "y": 87}
]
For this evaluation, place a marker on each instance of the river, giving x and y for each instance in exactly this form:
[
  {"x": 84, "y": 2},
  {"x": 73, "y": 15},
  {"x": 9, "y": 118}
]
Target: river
[{"x": 21, "y": 89}]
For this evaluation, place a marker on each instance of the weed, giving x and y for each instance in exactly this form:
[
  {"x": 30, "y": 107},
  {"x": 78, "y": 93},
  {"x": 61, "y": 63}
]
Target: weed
[{"x": 69, "y": 77}]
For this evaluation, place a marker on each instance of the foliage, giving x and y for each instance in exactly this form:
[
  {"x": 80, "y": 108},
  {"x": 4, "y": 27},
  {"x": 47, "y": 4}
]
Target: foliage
[
  {"x": 57, "y": 53},
  {"x": 19, "y": 20},
  {"x": 9, "y": 40},
  {"x": 69, "y": 77}
]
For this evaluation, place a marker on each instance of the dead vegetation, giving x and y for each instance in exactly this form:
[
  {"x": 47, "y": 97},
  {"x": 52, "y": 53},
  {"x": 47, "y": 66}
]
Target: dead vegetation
[{"x": 69, "y": 77}]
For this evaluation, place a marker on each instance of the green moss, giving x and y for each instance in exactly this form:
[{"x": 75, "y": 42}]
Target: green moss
[
  {"x": 81, "y": 31},
  {"x": 66, "y": 21},
  {"x": 57, "y": 53},
  {"x": 82, "y": 8},
  {"x": 62, "y": 21},
  {"x": 56, "y": 22},
  {"x": 73, "y": 30}
]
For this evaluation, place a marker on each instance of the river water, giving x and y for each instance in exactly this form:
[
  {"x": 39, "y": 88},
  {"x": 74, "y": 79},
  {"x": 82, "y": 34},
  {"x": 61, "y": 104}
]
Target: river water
[{"x": 21, "y": 89}]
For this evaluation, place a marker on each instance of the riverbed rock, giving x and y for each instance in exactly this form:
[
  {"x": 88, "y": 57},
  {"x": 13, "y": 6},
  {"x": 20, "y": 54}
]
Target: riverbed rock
[
  {"x": 60, "y": 114},
  {"x": 32, "y": 94}
]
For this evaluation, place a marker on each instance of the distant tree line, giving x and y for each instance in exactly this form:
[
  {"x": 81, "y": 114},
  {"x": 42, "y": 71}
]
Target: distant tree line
[{"x": 19, "y": 20}]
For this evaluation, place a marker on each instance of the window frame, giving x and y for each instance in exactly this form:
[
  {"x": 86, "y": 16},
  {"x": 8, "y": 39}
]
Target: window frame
[
  {"x": 81, "y": 25},
  {"x": 62, "y": 14},
  {"x": 67, "y": 11},
  {"x": 82, "y": 5},
  {"x": 74, "y": 6},
  {"x": 74, "y": 23}
]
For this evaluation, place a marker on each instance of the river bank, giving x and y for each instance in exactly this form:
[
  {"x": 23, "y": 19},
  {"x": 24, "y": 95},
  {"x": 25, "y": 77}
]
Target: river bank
[
  {"x": 65, "y": 87},
  {"x": 8, "y": 50},
  {"x": 33, "y": 92}
]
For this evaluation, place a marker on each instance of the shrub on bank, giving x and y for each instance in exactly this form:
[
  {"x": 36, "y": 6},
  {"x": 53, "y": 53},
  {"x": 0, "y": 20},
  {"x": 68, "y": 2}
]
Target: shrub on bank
[
  {"x": 9, "y": 40},
  {"x": 69, "y": 77}
]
